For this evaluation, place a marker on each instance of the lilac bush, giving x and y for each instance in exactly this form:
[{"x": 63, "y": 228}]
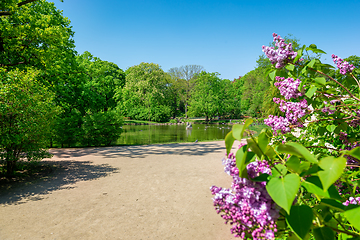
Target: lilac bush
[{"x": 301, "y": 180}]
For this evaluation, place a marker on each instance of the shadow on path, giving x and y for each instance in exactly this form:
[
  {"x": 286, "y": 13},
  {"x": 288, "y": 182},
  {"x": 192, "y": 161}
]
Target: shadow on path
[
  {"x": 65, "y": 174},
  {"x": 141, "y": 151}
]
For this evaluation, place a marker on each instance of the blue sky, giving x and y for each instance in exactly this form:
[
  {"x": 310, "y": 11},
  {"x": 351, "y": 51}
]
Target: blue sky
[{"x": 223, "y": 36}]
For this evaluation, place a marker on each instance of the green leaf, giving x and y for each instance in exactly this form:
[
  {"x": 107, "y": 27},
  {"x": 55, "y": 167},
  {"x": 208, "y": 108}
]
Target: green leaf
[
  {"x": 311, "y": 91},
  {"x": 278, "y": 170},
  {"x": 263, "y": 141},
  {"x": 300, "y": 220},
  {"x": 313, "y": 169},
  {"x": 254, "y": 147},
  {"x": 332, "y": 170},
  {"x": 323, "y": 233},
  {"x": 318, "y": 51},
  {"x": 353, "y": 216},
  {"x": 330, "y": 128},
  {"x": 272, "y": 75},
  {"x": 332, "y": 203},
  {"x": 283, "y": 190},
  {"x": 313, "y": 185},
  {"x": 290, "y": 67},
  {"x": 293, "y": 164},
  {"x": 311, "y": 63},
  {"x": 298, "y": 150},
  {"x": 229, "y": 141},
  {"x": 320, "y": 80},
  {"x": 299, "y": 54},
  {"x": 343, "y": 236},
  {"x": 240, "y": 160},
  {"x": 270, "y": 152},
  {"x": 354, "y": 153},
  {"x": 238, "y": 129},
  {"x": 304, "y": 166}
]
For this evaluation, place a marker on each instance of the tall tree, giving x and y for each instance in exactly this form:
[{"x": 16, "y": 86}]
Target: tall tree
[
  {"x": 205, "y": 97},
  {"x": 33, "y": 33},
  {"x": 147, "y": 93},
  {"x": 90, "y": 115},
  {"x": 187, "y": 73}
]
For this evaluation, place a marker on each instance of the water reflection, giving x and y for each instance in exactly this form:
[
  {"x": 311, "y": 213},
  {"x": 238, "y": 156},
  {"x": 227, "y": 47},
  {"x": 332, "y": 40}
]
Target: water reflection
[{"x": 149, "y": 134}]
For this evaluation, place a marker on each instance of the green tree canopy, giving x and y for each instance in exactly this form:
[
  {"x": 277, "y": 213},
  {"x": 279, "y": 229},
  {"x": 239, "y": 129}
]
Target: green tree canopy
[
  {"x": 205, "y": 97},
  {"x": 147, "y": 93},
  {"x": 33, "y": 33},
  {"x": 27, "y": 115},
  {"x": 184, "y": 81}
]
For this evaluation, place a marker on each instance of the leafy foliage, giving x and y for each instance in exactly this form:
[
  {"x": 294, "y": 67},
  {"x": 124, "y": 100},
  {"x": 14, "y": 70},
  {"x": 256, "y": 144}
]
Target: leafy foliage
[
  {"x": 147, "y": 93},
  {"x": 314, "y": 156},
  {"x": 27, "y": 115}
]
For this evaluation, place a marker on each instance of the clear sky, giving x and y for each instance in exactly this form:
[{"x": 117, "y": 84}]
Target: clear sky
[{"x": 223, "y": 36}]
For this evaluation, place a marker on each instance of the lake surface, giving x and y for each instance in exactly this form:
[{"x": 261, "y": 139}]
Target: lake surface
[{"x": 150, "y": 134}]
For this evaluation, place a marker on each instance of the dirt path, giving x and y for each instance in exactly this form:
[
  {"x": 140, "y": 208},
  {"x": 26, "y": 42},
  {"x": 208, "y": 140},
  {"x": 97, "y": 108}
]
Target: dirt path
[{"x": 125, "y": 192}]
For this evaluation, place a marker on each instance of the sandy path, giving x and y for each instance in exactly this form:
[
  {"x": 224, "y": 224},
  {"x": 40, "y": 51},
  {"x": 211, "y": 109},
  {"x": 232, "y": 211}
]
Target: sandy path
[{"x": 125, "y": 192}]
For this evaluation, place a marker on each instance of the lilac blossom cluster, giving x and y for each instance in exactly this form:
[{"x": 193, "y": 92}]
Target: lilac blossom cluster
[
  {"x": 278, "y": 123},
  {"x": 293, "y": 112},
  {"x": 288, "y": 87},
  {"x": 247, "y": 206},
  {"x": 282, "y": 55},
  {"x": 355, "y": 201},
  {"x": 343, "y": 66}
]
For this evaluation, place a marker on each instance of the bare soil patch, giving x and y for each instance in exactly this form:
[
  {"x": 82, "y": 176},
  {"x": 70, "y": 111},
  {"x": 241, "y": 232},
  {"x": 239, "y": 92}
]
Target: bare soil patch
[{"x": 125, "y": 192}]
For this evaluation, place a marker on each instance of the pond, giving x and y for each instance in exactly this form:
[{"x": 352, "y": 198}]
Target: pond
[{"x": 150, "y": 134}]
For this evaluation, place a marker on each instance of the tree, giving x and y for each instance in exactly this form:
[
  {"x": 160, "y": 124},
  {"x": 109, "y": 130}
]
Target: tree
[
  {"x": 147, "y": 93},
  {"x": 91, "y": 115},
  {"x": 255, "y": 85},
  {"x": 33, "y": 37},
  {"x": 205, "y": 96},
  {"x": 33, "y": 33},
  {"x": 102, "y": 119},
  {"x": 230, "y": 100},
  {"x": 27, "y": 114},
  {"x": 187, "y": 73},
  {"x": 102, "y": 81}
]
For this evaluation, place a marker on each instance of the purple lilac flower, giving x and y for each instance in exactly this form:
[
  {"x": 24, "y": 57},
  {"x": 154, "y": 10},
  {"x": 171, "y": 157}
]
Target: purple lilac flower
[
  {"x": 294, "y": 110},
  {"x": 278, "y": 123},
  {"x": 288, "y": 87},
  {"x": 246, "y": 206},
  {"x": 343, "y": 66},
  {"x": 355, "y": 201},
  {"x": 282, "y": 55}
]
